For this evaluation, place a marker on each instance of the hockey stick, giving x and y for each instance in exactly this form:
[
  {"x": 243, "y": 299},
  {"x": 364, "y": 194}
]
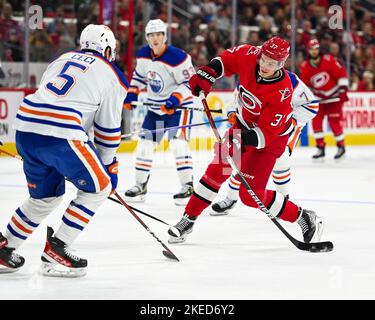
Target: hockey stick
[
  {"x": 143, "y": 132},
  {"x": 312, "y": 247},
  {"x": 140, "y": 211},
  {"x": 167, "y": 252},
  {"x": 330, "y": 100},
  {"x": 149, "y": 104}
]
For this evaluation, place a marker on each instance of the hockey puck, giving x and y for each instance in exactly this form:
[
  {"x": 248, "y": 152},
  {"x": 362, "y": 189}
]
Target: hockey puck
[
  {"x": 170, "y": 255},
  {"x": 322, "y": 248}
]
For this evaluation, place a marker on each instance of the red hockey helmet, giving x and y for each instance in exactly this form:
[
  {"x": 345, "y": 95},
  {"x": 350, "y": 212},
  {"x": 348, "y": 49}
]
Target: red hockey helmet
[
  {"x": 276, "y": 49},
  {"x": 313, "y": 44}
]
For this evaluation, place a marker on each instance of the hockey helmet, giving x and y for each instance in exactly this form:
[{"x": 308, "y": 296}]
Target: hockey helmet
[
  {"x": 156, "y": 25},
  {"x": 313, "y": 44},
  {"x": 98, "y": 38},
  {"x": 276, "y": 49}
]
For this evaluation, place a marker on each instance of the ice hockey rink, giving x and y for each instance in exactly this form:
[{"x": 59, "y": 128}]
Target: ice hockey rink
[{"x": 239, "y": 256}]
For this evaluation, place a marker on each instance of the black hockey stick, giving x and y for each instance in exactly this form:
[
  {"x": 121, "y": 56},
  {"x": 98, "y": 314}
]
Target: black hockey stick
[
  {"x": 167, "y": 252},
  {"x": 325, "y": 246},
  {"x": 140, "y": 211},
  {"x": 149, "y": 104}
]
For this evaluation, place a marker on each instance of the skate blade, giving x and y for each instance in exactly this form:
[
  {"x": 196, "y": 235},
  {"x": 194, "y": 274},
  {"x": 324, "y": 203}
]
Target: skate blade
[
  {"x": 181, "y": 201},
  {"x": 339, "y": 159},
  {"x": 319, "y": 230},
  {"x": 319, "y": 160},
  {"x": 57, "y": 270},
  {"x": 215, "y": 213},
  {"x": 136, "y": 199},
  {"x": 174, "y": 240},
  {"x": 4, "y": 270}
]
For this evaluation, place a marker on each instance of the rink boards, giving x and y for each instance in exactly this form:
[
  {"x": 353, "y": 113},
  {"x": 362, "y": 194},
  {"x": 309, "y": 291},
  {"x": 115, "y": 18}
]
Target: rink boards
[{"x": 359, "y": 120}]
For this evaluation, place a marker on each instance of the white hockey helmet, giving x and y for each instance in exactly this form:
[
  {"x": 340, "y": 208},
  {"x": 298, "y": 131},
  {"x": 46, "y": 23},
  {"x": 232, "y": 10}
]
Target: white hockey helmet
[
  {"x": 156, "y": 25},
  {"x": 98, "y": 38}
]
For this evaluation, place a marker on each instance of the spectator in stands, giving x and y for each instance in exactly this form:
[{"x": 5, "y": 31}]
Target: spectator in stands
[
  {"x": 40, "y": 46},
  {"x": 7, "y": 23},
  {"x": 367, "y": 83},
  {"x": 264, "y": 16}
]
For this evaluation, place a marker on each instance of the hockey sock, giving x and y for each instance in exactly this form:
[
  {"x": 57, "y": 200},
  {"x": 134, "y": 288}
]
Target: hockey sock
[
  {"x": 144, "y": 157},
  {"x": 27, "y": 218},
  {"x": 79, "y": 213},
  {"x": 184, "y": 161},
  {"x": 233, "y": 187},
  {"x": 281, "y": 174}
]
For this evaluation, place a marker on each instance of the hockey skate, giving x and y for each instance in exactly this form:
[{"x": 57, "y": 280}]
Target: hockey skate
[
  {"x": 59, "y": 261},
  {"x": 311, "y": 225},
  {"x": 320, "y": 154},
  {"x": 340, "y": 153},
  {"x": 182, "y": 197},
  {"x": 222, "y": 207},
  {"x": 9, "y": 260},
  {"x": 137, "y": 193},
  {"x": 179, "y": 232}
]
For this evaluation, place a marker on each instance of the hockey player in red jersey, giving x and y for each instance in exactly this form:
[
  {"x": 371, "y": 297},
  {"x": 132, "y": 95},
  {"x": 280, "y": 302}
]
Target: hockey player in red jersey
[
  {"x": 256, "y": 140},
  {"x": 328, "y": 80}
]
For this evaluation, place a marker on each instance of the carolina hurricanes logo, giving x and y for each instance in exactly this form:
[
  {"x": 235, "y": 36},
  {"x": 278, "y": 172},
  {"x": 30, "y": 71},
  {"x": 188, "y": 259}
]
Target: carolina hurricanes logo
[
  {"x": 250, "y": 102},
  {"x": 155, "y": 81},
  {"x": 285, "y": 94},
  {"x": 253, "y": 50},
  {"x": 320, "y": 79}
]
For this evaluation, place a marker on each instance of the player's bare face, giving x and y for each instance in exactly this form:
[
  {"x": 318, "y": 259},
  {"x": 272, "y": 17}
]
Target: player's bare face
[
  {"x": 268, "y": 67},
  {"x": 314, "y": 53},
  {"x": 156, "y": 42}
]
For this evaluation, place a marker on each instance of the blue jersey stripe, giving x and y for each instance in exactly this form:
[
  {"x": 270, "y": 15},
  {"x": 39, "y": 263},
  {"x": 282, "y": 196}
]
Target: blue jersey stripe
[
  {"x": 308, "y": 109},
  {"x": 184, "y": 168},
  {"x": 26, "y": 219},
  {"x": 51, "y": 123},
  {"x": 50, "y": 106},
  {"x": 107, "y": 129},
  {"x": 280, "y": 183},
  {"x": 106, "y": 144}
]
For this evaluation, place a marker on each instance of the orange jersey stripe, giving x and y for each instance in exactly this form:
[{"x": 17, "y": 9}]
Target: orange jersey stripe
[
  {"x": 184, "y": 162},
  {"x": 295, "y": 137},
  {"x": 143, "y": 165},
  {"x": 102, "y": 178},
  {"x": 50, "y": 114},
  {"x": 20, "y": 226},
  {"x": 237, "y": 183},
  {"x": 113, "y": 138},
  {"x": 76, "y": 215},
  {"x": 280, "y": 177}
]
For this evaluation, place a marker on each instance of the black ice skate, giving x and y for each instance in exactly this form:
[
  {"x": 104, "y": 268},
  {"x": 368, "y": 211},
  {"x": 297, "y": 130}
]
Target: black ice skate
[
  {"x": 311, "y": 225},
  {"x": 182, "y": 197},
  {"x": 340, "y": 153},
  {"x": 9, "y": 260},
  {"x": 320, "y": 154},
  {"x": 59, "y": 261},
  {"x": 222, "y": 207},
  {"x": 179, "y": 232},
  {"x": 137, "y": 193}
]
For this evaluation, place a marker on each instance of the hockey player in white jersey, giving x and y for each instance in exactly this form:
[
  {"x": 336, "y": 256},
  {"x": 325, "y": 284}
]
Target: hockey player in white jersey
[
  {"x": 164, "y": 71},
  {"x": 79, "y": 91},
  {"x": 305, "y": 107}
]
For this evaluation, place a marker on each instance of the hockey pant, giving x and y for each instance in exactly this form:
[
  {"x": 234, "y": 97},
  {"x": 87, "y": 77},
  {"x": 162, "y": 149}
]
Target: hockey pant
[{"x": 256, "y": 166}]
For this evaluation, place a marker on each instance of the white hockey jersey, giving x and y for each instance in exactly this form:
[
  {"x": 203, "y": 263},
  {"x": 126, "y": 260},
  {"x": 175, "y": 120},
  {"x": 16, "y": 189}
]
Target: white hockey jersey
[
  {"x": 163, "y": 75},
  {"x": 305, "y": 105},
  {"x": 78, "y": 91}
]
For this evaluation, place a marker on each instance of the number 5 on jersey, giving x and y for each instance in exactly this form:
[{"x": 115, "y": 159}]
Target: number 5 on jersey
[{"x": 68, "y": 80}]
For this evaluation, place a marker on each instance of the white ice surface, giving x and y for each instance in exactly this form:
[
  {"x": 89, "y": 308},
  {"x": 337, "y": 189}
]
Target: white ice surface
[{"x": 240, "y": 256}]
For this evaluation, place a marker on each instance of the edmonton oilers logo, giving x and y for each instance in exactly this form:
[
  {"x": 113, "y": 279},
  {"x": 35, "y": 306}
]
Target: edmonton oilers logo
[{"x": 155, "y": 81}]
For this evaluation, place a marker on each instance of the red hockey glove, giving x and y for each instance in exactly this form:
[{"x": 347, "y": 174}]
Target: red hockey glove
[
  {"x": 112, "y": 170},
  {"x": 343, "y": 96},
  {"x": 202, "y": 81}
]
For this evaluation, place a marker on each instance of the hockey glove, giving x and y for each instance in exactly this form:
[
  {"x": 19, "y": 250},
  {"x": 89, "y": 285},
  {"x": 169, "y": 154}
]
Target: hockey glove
[
  {"x": 132, "y": 96},
  {"x": 112, "y": 170},
  {"x": 173, "y": 101},
  {"x": 343, "y": 95},
  {"x": 202, "y": 81}
]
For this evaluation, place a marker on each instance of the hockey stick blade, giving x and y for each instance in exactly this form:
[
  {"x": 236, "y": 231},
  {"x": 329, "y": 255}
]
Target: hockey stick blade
[
  {"x": 170, "y": 255},
  {"x": 325, "y": 246}
]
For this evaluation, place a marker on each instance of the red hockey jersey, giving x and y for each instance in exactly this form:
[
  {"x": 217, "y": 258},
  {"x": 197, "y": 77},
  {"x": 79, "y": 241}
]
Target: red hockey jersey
[
  {"x": 264, "y": 105},
  {"x": 326, "y": 78}
]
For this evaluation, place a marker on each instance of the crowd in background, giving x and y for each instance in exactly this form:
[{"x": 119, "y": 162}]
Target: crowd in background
[{"x": 202, "y": 29}]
